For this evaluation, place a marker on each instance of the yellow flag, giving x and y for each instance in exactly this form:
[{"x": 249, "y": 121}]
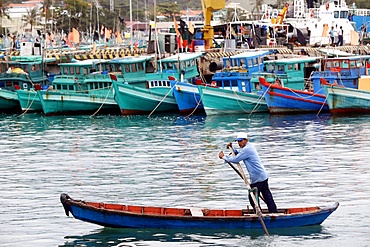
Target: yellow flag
[
  {"x": 325, "y": 30},
  {"x": 75, "y": 36},
  {"x": 191, "y": 27},
  {"x": 176, "y": 26},
  {"x": 118, "y": 35}
]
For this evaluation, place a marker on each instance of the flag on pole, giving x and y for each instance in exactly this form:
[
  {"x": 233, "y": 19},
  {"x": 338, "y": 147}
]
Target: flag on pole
[
  {"x": 176, "y": 26},
  {"x": 75, "y": 36},
  {"x": 178, "y": 34},
  {"x": 191, "y": 27}
]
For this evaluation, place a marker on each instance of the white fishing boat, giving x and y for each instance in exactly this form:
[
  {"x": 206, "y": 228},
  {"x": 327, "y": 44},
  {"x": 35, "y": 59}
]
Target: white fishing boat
[
  {"x": 332, "y": 13},
  {"x": 319, "y": 20}
]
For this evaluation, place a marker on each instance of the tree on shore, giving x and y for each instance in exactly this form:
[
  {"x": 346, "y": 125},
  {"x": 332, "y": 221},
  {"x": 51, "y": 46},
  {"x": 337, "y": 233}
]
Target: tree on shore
[
  {"x": 31, "y": 17},
  {"x": 4, "y": 6}
]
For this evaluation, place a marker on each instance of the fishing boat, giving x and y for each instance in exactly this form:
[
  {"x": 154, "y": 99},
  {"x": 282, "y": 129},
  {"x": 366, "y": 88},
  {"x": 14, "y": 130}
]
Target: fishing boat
[
  {"x": 17, "y": 81},
  {"x": 130, "y": 216},
  {"x": 86, "y": 86},
  {"x": 231, "y": 90},
  {"x": 302, "y": 91},
  {"x": 345, "y": 71},
  {"x": 219, "y": 101},
  {"x": 235, "y": 75},
  {"x": 287, "y": 88},
  {"x": 331, "y": 13},
  {"x": 153, "y": 91},
  {"x": 71, "y": 91},
  {"x": 344, "y": 100},
  {"x": 187, "y": 96}
]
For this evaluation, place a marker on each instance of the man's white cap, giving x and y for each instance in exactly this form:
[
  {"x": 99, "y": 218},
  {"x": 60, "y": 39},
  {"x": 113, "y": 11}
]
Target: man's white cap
[{"x": 241, "y": 136}]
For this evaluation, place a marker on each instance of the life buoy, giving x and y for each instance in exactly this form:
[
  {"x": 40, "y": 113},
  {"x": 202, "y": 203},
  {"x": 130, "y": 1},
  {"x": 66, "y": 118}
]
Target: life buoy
[{"x": 213, "y": 84}]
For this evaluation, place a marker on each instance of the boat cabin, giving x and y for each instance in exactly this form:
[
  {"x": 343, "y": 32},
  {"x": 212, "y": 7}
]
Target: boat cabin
[
  {"x": 23, "y": 72},
  {"x": 251, "y": 61},
  {"x": 132, "y": 69},
  {"x": 289, "y": 72},
  {"x": 345, "y": 71},
  {"x": 238, "y": 70},
  {"x": 73, "y": 75},
  {"x": 182, "y": 65}
]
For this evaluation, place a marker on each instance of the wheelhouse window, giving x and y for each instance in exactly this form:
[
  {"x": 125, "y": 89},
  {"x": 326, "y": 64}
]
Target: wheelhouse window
[
  {"x": 140, "y": 67},
  {"x": 133, "y": 67},
  {"x": 345, "y": 64},
  {"x": 227, "y": 63},
  {"x": 66, "y": 70},
  {"x": 329, "y": 64},
  {"x": 343, "y": 14},
  {"x": 242, "y": 62}
]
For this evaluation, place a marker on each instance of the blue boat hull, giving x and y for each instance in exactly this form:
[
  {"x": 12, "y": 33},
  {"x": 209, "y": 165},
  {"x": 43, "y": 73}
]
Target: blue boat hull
[
  {"x": 187, "y": 97},
  {"x": 286, "y": 100},
  {"x": 119, "y": 216}
]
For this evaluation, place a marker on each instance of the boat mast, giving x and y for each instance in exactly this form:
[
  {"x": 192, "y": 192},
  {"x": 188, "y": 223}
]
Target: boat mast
[{"x": 155, "y": 36}]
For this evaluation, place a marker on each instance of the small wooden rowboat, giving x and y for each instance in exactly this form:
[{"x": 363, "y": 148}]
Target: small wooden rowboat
[{"x": 127, "y": 216}]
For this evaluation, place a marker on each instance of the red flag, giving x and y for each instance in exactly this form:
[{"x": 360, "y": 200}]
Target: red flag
[{"x": 113, "y": 77}]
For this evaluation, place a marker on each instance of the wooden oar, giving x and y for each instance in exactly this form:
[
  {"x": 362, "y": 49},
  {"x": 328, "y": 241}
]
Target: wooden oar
[
  {"x": 241, "y": 173},
  {"x": 256, "y": 205}
]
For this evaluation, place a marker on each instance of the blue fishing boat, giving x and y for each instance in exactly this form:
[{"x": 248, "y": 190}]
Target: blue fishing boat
[
  {"x": 130, "y": 216},
  {"x": 187, "y": 96},
  {"x": 153, "y": 91},
  {"x": 231, "y": 90},
  {"x": 288, "y": 89},
  {"x": 344, "y": 100},
  {"x": 345, "y": 71},
  {"x": 85, "y": 87},
  {"x": 17, "y": 81}
]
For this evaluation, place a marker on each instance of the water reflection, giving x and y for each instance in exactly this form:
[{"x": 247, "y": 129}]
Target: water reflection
[
  {"x": 159, "y": 237},
  {"x": 292, "y": 120}
]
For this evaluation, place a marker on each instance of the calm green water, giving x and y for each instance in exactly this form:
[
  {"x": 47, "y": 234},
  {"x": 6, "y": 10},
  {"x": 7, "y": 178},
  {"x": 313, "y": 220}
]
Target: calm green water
[{"x": 172, "y": 161}]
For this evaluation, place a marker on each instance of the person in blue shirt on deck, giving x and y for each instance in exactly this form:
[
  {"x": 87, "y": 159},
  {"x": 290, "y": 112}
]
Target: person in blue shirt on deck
[{"x": 257, "y": 173}]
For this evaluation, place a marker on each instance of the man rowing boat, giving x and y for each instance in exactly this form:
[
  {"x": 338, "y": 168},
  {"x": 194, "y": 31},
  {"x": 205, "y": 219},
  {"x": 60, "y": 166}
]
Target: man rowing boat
[{"x": 257, "y": 173}]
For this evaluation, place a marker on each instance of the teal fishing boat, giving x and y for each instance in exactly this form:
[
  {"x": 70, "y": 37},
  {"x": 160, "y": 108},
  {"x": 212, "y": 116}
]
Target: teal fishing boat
[
  {"x": 153, "y": 92},
  {"x": 85, "y": 87},
  {"x": 231, "y": 90},
  {"x": 17, "y": 81},
  {"x": 345, "y": 100}
]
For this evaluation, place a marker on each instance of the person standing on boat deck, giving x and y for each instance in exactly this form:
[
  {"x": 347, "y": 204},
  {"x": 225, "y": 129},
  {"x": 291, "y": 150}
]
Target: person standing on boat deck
[
  {"x": 332, "y": 35},
  {"x": 257, "y": 173},
  {"x": 308, "y": 38},
  {"x": 340, "y": 36}
]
